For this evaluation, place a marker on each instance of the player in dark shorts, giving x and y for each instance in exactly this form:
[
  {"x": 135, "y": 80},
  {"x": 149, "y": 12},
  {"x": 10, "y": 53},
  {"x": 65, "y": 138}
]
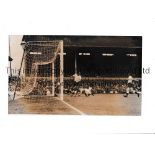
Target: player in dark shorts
[
  {"x": 76, "y": 85},
  {"x": 130, "y": 86}
]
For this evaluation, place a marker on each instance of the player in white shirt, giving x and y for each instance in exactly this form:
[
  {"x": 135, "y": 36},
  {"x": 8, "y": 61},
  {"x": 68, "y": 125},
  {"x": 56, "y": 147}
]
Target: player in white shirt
[
  {"x": 77, "y": 77},
  {"x": 130, "y": 86}
]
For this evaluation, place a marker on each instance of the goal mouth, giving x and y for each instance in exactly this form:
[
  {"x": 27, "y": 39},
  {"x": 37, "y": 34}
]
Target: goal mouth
[{"x": 41, "y": 70}]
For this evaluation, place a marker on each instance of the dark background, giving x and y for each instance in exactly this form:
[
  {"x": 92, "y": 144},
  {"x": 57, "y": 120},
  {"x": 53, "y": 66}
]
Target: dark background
[{"x": 94, "y": 65}]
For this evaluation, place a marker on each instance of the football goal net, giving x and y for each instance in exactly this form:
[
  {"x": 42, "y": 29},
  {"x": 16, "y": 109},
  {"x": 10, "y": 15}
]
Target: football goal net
[{"x": 41, "y": 70}]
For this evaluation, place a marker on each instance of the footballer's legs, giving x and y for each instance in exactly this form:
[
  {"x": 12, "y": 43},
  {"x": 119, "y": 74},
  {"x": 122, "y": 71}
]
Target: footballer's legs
[{"x": 127, "y": 92}]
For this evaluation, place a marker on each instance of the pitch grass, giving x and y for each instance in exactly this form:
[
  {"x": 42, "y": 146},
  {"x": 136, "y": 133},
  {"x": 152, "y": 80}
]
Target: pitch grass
[{"x": 100, "y": 104}]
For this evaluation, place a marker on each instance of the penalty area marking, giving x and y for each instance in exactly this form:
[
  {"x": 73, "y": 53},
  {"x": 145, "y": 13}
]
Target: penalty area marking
[{"x": 75, "y": 109}]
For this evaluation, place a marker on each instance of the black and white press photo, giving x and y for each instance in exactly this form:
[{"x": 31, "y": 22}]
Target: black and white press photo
[{"x": 75, "y": 75}]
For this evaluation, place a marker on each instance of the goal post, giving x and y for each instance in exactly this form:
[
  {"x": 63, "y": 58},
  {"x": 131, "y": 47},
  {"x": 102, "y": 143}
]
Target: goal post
[
  {"x": 53, "y": 84},
  {"x": 43, "y": 69},
  {"x": 61, "y": 71}
]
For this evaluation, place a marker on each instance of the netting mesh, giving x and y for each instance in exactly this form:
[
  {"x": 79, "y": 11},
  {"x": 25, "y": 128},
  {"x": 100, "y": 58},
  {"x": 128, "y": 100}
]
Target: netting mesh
[{"x": 41, "y": 60}]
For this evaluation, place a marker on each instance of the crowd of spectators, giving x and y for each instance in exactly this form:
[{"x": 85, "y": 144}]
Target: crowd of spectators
[{"x": 100, "y": 86}]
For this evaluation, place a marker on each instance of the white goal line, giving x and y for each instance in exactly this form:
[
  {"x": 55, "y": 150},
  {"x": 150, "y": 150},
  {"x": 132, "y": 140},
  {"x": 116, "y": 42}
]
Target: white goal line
[{"x": 72, "y": 107}]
